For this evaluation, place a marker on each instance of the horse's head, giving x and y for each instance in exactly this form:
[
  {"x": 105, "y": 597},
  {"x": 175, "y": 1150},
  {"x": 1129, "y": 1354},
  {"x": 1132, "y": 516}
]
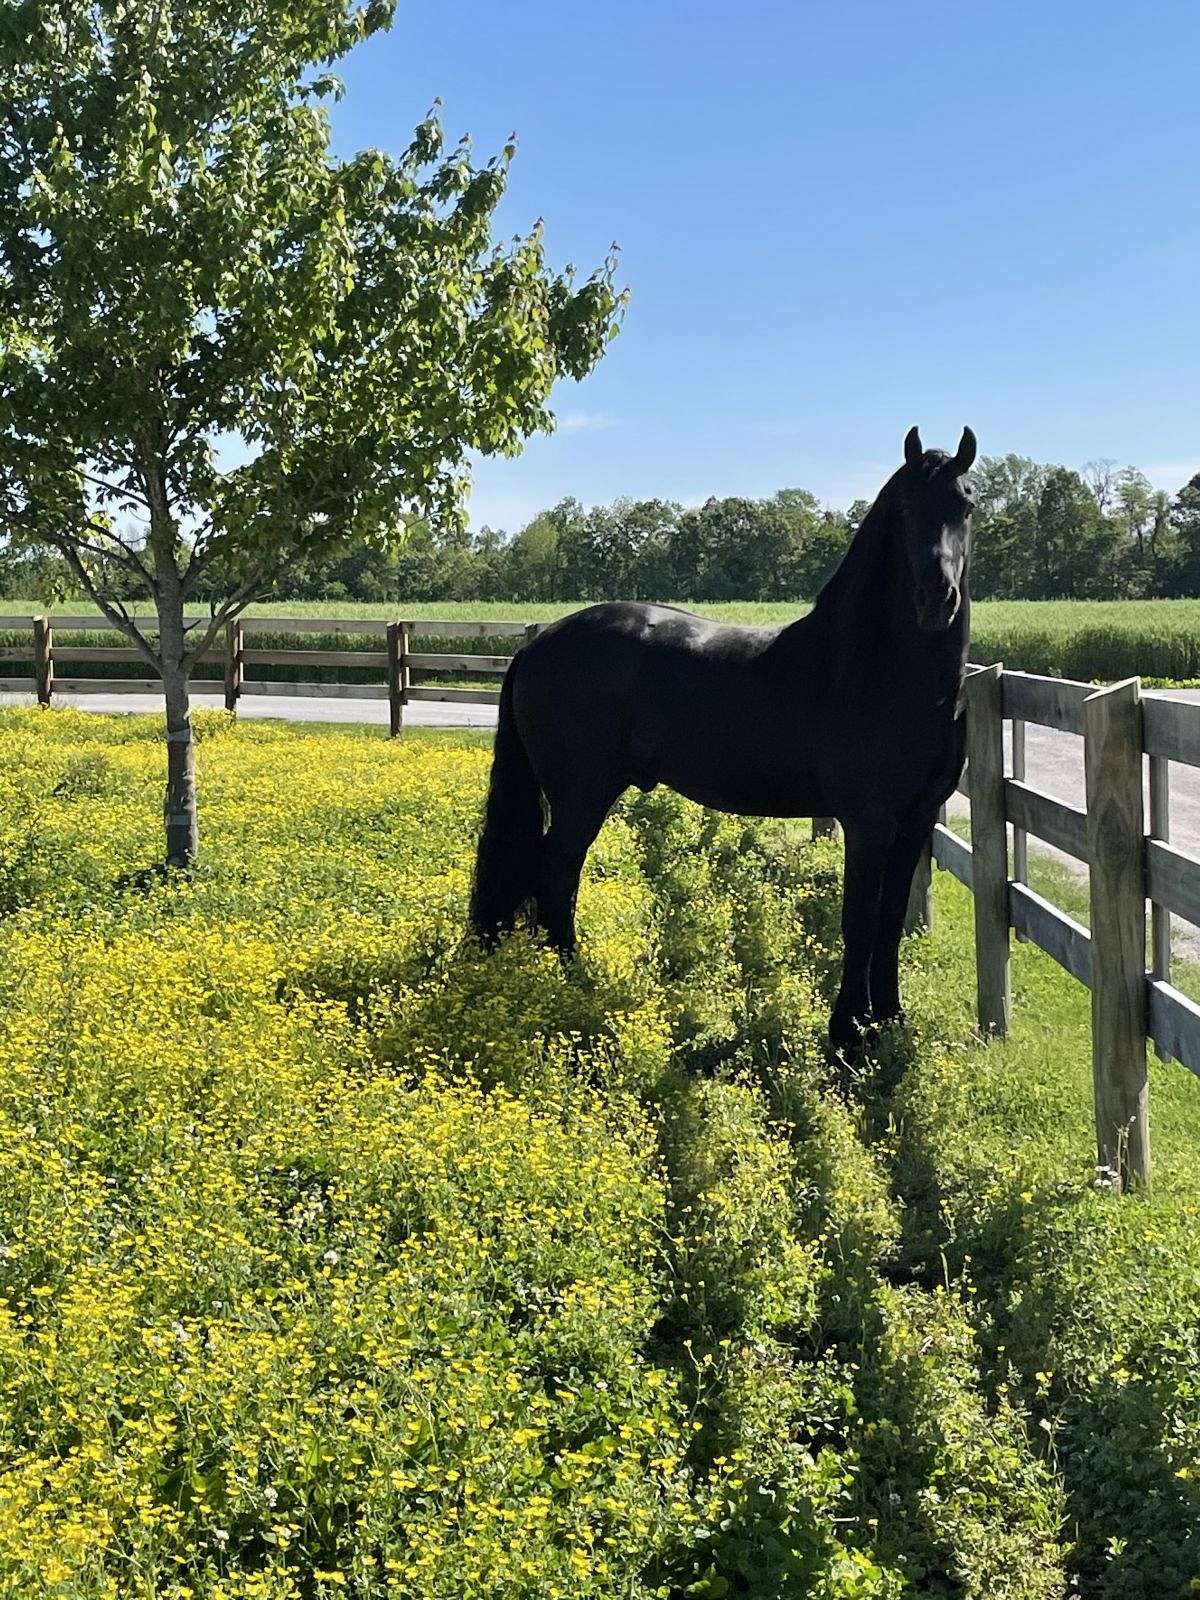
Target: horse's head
[{"x": 935, "y": 509}]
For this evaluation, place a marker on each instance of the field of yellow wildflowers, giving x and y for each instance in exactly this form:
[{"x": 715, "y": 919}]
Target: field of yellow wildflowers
[{"x": 338, "y": 1258}]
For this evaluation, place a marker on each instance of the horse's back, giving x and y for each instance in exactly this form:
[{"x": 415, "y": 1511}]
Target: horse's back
[{"x": 632, "y": 693}]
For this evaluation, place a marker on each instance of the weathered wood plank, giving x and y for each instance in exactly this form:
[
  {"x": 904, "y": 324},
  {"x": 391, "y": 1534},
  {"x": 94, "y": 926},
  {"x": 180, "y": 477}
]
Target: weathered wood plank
[
  {"x": 73, "y": 623},
  {"x": 1050, "y": 702},
  {"x": 130, "y": 685},
  {"x": 465, "y": 697},
  {"x": 320, "y": 691},
  {"x": 1173, "y": 882},
  {"x": 1020, "y": 836},
  {"x": 314, "y": 625},
  {"x": 18, "y": 686},
  {"x": 989, "y": 846},
  {"x": 17, "y": 653},
  {"x": 1171, "y": 729},
  {"x": 1046, "y": 818},
  {"x": 424, "y": 627},
  {"x": 1174, "y": 1024},
  {"x": 953, "y": 855},
  {"x": 431, "y": 662},
  {"x": 124, "y": 655},
  {"x": 1160, "y": 829},
  {"x": 315, "y": 658},
  {"x": 79, "y": 652},
  {"x": 1117, "y": 879},
  {"x": 1052, "y": 930},
  {"x": 429, "y": 628}
]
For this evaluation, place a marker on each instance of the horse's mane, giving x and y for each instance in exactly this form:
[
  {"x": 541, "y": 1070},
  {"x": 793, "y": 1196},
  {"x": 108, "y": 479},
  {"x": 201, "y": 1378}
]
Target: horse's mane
[
  {"x": 860, "y": 562},
  {"x": 857, "y": 574}
]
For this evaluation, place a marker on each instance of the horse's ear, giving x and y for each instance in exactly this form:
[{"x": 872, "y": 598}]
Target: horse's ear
[
  {"x": 966, "y": 451},
  {"x": 913, "y": 449}
]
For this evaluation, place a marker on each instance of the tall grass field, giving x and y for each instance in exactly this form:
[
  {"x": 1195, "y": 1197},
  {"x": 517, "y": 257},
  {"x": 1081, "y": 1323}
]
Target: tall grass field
[
  {"x": 339, "y": 1258},
  {"x": 1086, "y": 639}
]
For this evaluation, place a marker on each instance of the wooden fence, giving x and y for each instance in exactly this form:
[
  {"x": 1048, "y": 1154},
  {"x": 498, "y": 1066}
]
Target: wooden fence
[
  {"x": 394, "y": 662},
  {"x": 1130, "y": 860}
]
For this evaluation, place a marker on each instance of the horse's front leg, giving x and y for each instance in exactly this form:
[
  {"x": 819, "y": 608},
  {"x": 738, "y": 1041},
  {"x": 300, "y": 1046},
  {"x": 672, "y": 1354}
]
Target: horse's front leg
[
  {"x": 893, "y": 905},
  {"x": 868, "y": 846}
]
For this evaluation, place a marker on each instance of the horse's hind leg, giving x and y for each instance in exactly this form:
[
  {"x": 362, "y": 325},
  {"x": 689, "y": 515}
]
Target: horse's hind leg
[{"x": 574, "y": 824}]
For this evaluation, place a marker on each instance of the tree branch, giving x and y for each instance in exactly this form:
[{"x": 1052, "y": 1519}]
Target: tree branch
[
  {"x": 113, "y": 610},
  {"x": 124, "y": 556},
  {"x": 229, "y": 609},
  {"x": 203, "y": 552},
  {"x": 111, "y": 488}
]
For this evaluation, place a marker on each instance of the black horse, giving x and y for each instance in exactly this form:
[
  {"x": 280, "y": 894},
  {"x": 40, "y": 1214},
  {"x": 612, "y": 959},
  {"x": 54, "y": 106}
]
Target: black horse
[{"x": 851, "y": 712}]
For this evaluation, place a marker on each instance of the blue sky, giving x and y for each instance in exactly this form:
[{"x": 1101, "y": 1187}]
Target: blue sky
[{"x": 836, "y": 217}]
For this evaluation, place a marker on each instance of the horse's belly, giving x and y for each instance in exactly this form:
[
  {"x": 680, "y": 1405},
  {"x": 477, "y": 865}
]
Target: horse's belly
[{"x": 742, "y": 789}]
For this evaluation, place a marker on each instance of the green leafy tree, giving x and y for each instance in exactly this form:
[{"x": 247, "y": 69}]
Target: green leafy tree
[
  {"x": 817, "y": 539},
  {"x": 222, "y": 348},
  {"x": 735, "y": 549},
  {"x": 1076, "y": 545},
  {"x": 1134, "y": 503},
  {"x": 531, "y": 562},
  {"x": 1008, "y": 490},
  {"x": 1185, "y": 539}
]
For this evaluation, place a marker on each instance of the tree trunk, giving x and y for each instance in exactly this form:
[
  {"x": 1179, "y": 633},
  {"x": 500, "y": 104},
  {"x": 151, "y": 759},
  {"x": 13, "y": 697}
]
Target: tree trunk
[{"x": 179, "y": 806}]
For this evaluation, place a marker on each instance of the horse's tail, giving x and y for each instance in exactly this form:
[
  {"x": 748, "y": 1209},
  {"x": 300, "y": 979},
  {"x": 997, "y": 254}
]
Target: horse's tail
[{"x": 510, "y": 844}]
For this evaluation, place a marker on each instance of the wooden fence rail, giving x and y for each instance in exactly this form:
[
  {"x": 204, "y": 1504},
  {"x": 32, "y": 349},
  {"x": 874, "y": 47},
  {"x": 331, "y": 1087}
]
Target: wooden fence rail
[
  {"x": 1130, "y": 865},
  {"x": 392, "y": 665}
]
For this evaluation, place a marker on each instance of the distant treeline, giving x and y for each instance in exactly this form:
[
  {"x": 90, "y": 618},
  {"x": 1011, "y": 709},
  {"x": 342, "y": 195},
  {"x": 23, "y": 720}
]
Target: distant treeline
[{"x": 1042, "y": 532}]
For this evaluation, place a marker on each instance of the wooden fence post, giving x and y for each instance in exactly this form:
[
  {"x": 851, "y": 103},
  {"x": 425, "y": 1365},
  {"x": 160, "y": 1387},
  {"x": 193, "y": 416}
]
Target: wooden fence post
[
  {"x": 1112, "y": 758},
  {"x": 43, "y": 658},
  {"x": 397, "y": 653},
  {"x": 989, "y": 849},
  {"x": 531, "y": 631},
  {"x": 824, "y": 828},
  {"x": 406, "y": 629},
  {"x": 919, "y": 913},
  {"x": 235, "y": 669}
]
